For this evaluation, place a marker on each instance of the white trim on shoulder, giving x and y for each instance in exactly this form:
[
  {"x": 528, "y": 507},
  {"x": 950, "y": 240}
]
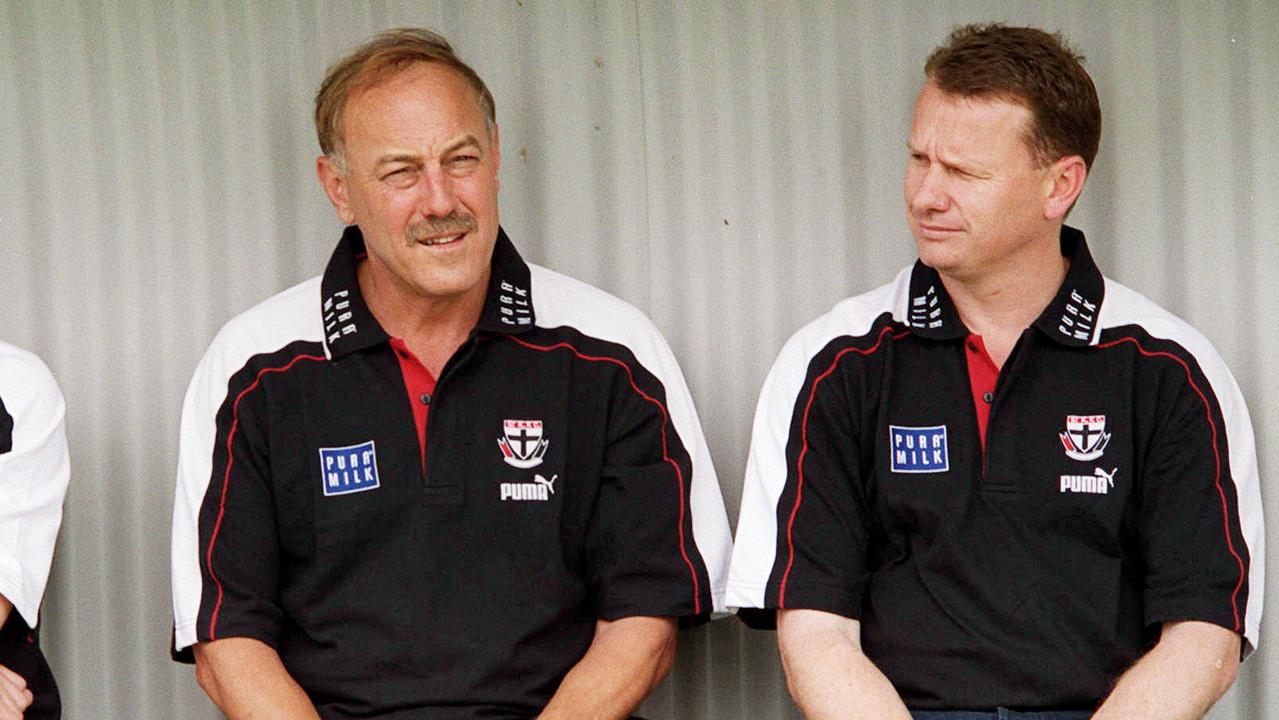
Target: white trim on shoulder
[
  {"x": 755, "y": 549},
  {"x": 559, "y": 300},
  {"x": 1125, "y": 306},
  {"x": 290, "y": 316}
]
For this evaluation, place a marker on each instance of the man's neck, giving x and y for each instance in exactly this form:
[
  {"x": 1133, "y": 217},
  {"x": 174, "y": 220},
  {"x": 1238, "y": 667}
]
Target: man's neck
[
  {"x": 1000, "y": 304},
  {"x": 432, "y": 328}
]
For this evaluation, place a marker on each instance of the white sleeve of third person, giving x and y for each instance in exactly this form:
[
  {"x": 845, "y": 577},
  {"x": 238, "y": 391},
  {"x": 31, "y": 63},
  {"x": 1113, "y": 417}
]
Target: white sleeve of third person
[{"x": 34, "y": 472}]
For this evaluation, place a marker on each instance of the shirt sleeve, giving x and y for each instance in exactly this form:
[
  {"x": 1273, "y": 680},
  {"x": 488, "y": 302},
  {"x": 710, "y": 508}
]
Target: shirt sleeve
[
  {"x": 801, "y": 533},
  {"x": 34, "y": 473},
  {"x": 659, "y": 539},
  {"x": 1200, "y": 514},
  {"x": 225, "y": 546}
]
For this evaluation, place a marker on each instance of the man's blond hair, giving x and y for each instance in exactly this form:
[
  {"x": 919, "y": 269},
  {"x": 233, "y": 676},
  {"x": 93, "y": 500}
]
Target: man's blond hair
[{"x": 384, "y": 55}]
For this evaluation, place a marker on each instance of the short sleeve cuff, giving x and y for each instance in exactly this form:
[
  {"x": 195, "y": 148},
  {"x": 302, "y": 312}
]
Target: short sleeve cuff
[
  {"x": 647, "y": 599},
  {"x": 1201, "y": 608},
  {"x": 263, "y": 630},
  {"x": 845, "y": 601}
]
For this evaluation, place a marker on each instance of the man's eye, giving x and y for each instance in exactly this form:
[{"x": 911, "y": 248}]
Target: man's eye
[
  {"x": 463, "y": 159},
  {"x": 398, "y": 175}
]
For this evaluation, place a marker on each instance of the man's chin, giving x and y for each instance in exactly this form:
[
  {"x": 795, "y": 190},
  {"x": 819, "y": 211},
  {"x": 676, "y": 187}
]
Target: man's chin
[
  {"x": 450, "y": 286},
  {"x": 934, "y": 255}
]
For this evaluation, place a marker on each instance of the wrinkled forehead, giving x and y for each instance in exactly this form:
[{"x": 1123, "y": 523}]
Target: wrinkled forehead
[
  {"x": 977, "y": 118},
  {"x": 429, "y": 88},
  {"x": 433, "y": 79}
]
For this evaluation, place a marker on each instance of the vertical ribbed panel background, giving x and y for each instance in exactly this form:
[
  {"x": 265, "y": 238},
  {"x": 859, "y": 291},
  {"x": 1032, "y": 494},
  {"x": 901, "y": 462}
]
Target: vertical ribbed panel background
[{"x": 733, "y": 168}]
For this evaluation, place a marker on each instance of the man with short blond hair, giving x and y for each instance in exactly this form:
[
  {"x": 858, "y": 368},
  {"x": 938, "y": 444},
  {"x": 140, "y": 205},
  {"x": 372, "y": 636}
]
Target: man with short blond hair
[
  {"x": 1002, "y": 486},
  {"x": 436, "y": 481}
]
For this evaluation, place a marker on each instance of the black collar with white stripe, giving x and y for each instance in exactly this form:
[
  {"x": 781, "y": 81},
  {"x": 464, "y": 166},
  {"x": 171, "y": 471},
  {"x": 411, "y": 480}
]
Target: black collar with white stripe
[
  {"x": 1070, "y": 319},
  {"x": 349, "y": 325}
]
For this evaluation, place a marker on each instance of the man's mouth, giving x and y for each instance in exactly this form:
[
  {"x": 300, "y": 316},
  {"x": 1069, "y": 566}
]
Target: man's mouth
[
  {"x": 930, "y": 230},
  {"x": 441, "y": 239}
]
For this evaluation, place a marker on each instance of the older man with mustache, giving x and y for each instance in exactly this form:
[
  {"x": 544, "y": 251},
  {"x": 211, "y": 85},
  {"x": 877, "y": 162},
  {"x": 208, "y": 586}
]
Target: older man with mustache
[{"x": 437, "y": 481}]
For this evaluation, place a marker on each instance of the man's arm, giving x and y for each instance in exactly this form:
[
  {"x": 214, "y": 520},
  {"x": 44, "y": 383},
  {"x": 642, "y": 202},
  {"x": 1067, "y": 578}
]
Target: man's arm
[
  {"x": 1200, "y": 470},
  {"x": 1190, "y": 668},
  {"x": 827, "y": 672},
  {"x": 246, "y": 680},
  {"x": 228, "y": 622},
  {"x": 627, "y": 659}
]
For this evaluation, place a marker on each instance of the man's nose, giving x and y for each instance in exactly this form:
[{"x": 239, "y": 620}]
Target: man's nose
[
  {"x": 437, "y": 196},
  {"x": 929, "y": 193}
]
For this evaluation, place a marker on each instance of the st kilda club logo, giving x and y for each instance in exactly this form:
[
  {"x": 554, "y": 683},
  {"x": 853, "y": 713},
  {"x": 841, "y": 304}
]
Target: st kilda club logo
[
  {"x": 523, "y": 444},
  {"x": 1085, "y": 437}
]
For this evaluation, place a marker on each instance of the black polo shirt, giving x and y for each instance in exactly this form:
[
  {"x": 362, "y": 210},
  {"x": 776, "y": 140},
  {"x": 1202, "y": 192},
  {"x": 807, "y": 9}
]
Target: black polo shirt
[
  {"x": 34, "y": 472},
  {"x": 458, "y": 571},
  {"x": 1116, "y": 489}
]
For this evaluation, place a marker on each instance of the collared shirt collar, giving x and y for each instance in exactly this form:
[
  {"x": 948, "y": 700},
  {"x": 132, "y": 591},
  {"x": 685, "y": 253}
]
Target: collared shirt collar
[
  {"x": 349, "y": 325},
  {"x": 1070, "y": 319}
]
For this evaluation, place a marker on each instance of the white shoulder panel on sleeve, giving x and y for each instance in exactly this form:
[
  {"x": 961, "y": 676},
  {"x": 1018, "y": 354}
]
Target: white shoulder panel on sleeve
[
  {"x": 1125, "y": 306},
  {"x": 33, "y": 479},
  {"x": 291, "y": 316},
  {"x": 755, "y": 548},
  {"x": 561, "y": 301}
]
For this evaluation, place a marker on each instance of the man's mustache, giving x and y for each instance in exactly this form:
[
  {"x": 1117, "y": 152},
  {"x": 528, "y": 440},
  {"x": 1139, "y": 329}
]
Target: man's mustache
[{"x": 454, "y": 223}]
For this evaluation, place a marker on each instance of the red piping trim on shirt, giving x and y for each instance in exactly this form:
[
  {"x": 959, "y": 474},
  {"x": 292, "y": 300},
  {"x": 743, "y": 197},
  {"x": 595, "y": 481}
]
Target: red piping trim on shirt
[
  {"x": 679, "y": 475},
  {"x": 226, "y": 478},
  {"x": 1216, "y": 454},
  {"x": 799, "y": 463}
]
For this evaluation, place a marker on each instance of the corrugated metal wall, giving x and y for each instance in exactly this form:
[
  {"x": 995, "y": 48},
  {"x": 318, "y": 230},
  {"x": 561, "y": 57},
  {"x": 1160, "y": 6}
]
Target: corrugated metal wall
[{"x": 733, "y": 168}]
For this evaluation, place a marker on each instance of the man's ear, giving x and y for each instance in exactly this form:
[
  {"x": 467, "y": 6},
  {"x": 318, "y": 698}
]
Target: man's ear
[
  {"x": 334, "y": 183},
  {"x": 1064, "y": 182}
]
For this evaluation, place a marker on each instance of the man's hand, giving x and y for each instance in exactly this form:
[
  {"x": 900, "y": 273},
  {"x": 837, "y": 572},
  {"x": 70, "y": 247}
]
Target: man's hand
[
  {"x": 1185, "y": 673},
  {"x": 247, "y": 681},
  {"x": 14, "y": 695},
  {"x": 627, "y": 658},
  {"x": 828, "y": 674}
]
